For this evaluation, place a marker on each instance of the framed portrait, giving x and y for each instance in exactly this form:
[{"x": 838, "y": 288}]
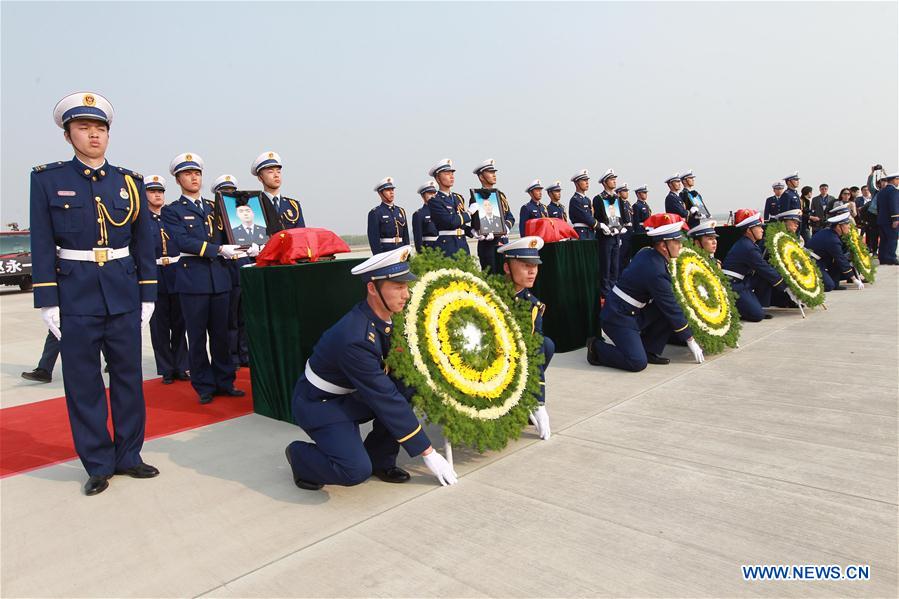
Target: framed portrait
[
  {"x": 699, "y": 203},
  {"x": 490, "y": 218},
  {"x": 245, "y": 217}
]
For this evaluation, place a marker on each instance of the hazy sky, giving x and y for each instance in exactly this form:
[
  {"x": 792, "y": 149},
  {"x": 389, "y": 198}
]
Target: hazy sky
[{"x": 349, "y": 93}]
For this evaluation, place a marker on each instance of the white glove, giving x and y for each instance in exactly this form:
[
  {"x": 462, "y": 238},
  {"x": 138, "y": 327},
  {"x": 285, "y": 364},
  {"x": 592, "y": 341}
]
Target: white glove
[
  {"x": 697, "y": 351},
  {"x": 146, "y": 312},
  {"x": 858, "y": 283},
  {"x": 253, "y": 250},
  {"x": 438, "y": 465},
  {"x": 693, "y": 209},
  {"x": 474, "y": 209},
  {"x": 51, "y": 319},
  {"x": 230, "y": 251},
  {"x": 487, "y": 237},
  {"x": 605, "y": 229},
  {"x": 540, "y": 418}
]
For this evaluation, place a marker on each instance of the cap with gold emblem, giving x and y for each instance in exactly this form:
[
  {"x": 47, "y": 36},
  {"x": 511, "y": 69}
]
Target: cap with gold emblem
[
  {"x": 265, "y": 160},
  {"x": 224, "y": 182},
  {"x": 527, "y": 249},
  {"x": 392, "y": 265},
  {"x": 152, "y": 182},
  {"x": 557, "y": 186},
  {"x": 186, "y": 162},
  {"x": 385, "y": 184},
  {"x": 488, "y": 166},
  {"x": 83, "y": 105},
  {"x": 444, "y": 165}
]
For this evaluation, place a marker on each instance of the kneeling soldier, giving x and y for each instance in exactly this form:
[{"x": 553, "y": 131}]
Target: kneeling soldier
[
  {"x": 345, "y": 384},
  {"x": 826, "y": 248}
]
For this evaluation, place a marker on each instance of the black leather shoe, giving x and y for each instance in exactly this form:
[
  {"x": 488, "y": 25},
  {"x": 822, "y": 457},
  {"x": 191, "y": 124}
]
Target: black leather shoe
[
  {"x": 244, "y": 364},
  {"x": 303, "y": 484},
  {"x": 232, "y": 392},
  {"x": 167, "y": 380},
  {"x": 182, "y": 376},
  {"x": 838, "y": 288},
  {"x": 206, "y": 398},
  {"x": 392, "y": 475},
  {"x": 96, "y": 484},
  {"x": 656, "y": 359},
  {"x": 591, "y": 354},
  {"x": 767, "y": 316},
  {"x": 38, "y": 375},
  {"x": 140, "y": 471}
]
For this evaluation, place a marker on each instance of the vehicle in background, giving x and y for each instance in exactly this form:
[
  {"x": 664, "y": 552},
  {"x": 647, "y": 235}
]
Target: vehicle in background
[{"x": 15, "y": 258}]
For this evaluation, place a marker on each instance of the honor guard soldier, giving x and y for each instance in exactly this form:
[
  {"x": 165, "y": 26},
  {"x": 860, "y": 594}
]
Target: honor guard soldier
[
  {"x": 580, "y": 208},
  {"x": 609, "y": 225},
  {"x": 522, "y": 260},
  {"x": 641, "y": 209},
  {"x": 488, "y": 242},
  {"x": 692, "y": 200},
  {"x": 167, "y": 331},
  {"x": 789, "y": 200},
  {"x": 345, "y": 383},
  {"x": 826, "y": 247},
  {"x": 706, "y": 237},
  {"x": 772, "y": 204},
  {"x": 424, "y": 232},
  {"x": 627, "y": 230},
  {"x": 448, "y": 211},
  {"x": 641, "y": 313},
  {"x": 533, "y": 209},
  {"x": 888, "y": 218},
  {"x": 388, "y": 228},
  {"x": 673, "y": 202},
  {"x": 246, "y": 233},
  {"x": 752, "y": 278},
  {"x": 555, "y": 208},
  {"x": 267, "y": 168},
  {"x": 95, "y": 284},
  {"x": 204, "y": 281},
  {"x": 791, "y": 220}
]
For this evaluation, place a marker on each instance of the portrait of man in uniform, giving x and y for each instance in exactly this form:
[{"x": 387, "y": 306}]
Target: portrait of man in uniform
[
  {"x": 245, "y": 218},
  {"x": 490, "y": 219}
]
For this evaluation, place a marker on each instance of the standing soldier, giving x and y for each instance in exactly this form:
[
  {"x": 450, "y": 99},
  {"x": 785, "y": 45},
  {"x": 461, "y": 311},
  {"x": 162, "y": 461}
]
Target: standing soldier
[
  {"x": 789, "y": 200},
  {"x": 641, "y": 209},
  {"x": 533, "y": 208},
  {"x": 608, "y": 216},
  {"x": 692, "y": 200},
  {"x": 203, "y": 281},
  {"x": 580, "y": 208},
  {"x": 888, "y": 218},
  {"x": 267, "y": 168},
  {"x": 555, "y": 209},
  {"x": 488, "y": 242},
  {"x": 673, "y": 202},
  {"x": 167, "y": 324},
  {"x": 772, "y": 204},
  {"x": 388, "y": 228},
  {"x": 448, "y": 211},
  {"x": 627, "y": 231},
  {"x": 95, "y": 281},
  {"x": 423, "y": 230}
]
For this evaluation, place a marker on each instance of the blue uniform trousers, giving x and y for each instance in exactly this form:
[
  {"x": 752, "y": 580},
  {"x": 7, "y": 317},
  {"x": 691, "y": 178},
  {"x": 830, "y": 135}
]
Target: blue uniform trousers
[
  {"x": 83, "y": 338},
  {"x": 450, "y": 244},
  {"x": 207, "y": 313},
  {"x": 238, "y": 347},
  {"x": 633, "y": 336},
  {"x": 548, "y": 350},
  {"x": 886, "y": 253},
  {"x": 168, "y": 335},
  {"x": 829, "y": 284},
  {"x": 624, "y": 252},
  {"x": 50, "y": 353},
  {"x": 338, "y": 455},
  {"x": 608, "y": 263},
  {"x": 753, "y": 294},
  {"x": 487, "y": 257}
]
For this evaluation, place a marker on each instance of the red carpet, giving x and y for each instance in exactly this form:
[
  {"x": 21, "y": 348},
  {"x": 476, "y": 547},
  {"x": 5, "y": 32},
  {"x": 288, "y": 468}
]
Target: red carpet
[{"x": 37, "y": 434}]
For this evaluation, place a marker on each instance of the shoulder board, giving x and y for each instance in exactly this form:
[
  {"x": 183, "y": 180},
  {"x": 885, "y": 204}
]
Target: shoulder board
[
  {"x": 47, "y": 167},
  {"x": 458, "y": 195},
  {"x": 502, "y": 195},
  {"x": 289, "y": 199},
  {"x": 371, "y": 333},
  {"x": 126, "y": 171},
  {"x": 403, "y": 212}
]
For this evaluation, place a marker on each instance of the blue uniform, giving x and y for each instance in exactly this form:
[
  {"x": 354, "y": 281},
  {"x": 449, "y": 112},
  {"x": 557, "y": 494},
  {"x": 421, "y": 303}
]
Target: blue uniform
[
  {"x": 424, "y": 232},
  {"x": 624, "y": 251},
  {"x": 674, "y": 204},
  {"x": 640, "y": 315},
  {"x": 604, "y": 206},
  {"x": 692, "y": 198},
  {"x": 345, "y": 384},
  {"x": 887, "y": 216},
  {"x": 826, "y": 248},
  {"x": 772, "y": 208},
  {"x": 582, "y": 218},
  {"x": 388, "y": 228},
  {"x": 487, "y": 248},
  {"x": 203, "y": 283},
  {"x": 99, "y": 302},
  {"x": 548, "y": 348},
  {"x": 557, "y": 210},
  {"x": 289, "y": 211},
  {"x": 789, "y": 200},
  {"x": 529, "y": 211},
  {"x": 452, "y": 220},
  {"x": 752, "y": 278},
  {"x": 167, "y": 331},
  {"x": 641, "y": 212}
]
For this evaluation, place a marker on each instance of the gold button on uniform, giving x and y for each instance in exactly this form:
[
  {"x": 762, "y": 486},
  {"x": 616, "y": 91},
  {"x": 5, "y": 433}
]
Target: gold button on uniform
[
  {"x": 66, "y": 206},
  {"x": 97, "y": 198},
  {"x": 87, "y": 171}
]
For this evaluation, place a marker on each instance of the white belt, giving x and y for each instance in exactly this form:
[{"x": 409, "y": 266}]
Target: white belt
[
  {"x": 99, "y": 255},
  {"x": 813, "y": 254},
  {"x": 429, "y": 239},
  {"x": 166, "y": 260},
  {"x": 391, "y": 240},
  {"x": 582, "y": 225},
  {"x": 733, "y": 274},
  {"x": 324, "y": 385},
  {"x": 627, "y": 298},
  {"x": 455, "y": 232}
]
